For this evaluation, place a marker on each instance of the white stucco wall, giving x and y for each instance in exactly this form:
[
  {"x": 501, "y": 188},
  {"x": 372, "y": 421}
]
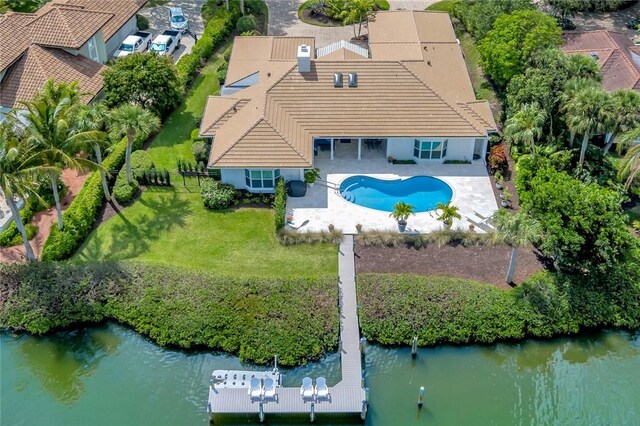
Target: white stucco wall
[
  {"x": 115, "y": 41},
  {"x": 235, "y": 177},
  {"x": 457, "y": 148},
  {"x": 100, "y": 47}
]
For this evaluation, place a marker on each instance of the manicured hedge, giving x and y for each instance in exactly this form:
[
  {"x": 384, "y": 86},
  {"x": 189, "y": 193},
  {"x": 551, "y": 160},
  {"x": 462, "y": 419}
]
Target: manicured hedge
[
  {"x": 215, "y": 32},
  {"x": 394, "y": 308},
  {"x": 83, "y": 210},
  {"x": 280, "y": 205},
  {"x": 296, "y": 319},
  {"x": 217, "y": 195},
  {"x": 123, "y": 191}
]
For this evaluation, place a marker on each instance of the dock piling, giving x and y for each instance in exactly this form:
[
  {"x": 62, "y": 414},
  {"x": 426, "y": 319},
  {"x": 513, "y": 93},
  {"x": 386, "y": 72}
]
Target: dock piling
[
  {"x": 312, "y": 414},
  {"x": 261, "y": 413},
  {"x": 414, "y": 346},
  {"x": 420, "y": 396}
]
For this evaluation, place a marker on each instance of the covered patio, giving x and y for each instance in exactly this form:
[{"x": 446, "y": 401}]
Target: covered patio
[
  {"x": 323, "y": 205},
  {"x": 350, "y": 148}
]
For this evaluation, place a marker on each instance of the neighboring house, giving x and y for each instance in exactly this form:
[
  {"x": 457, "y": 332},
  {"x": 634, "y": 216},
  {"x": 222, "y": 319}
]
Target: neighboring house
[
  {"x": 618, "y": 57},
  {"x": 286, "y": 104},
  {"x": 68, "y": 40}
]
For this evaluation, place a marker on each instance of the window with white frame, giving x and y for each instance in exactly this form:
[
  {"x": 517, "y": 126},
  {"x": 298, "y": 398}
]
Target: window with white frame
[
  {"x": 429, "y": 150},
  {"x": 93, "y": 49},
  {"x": 261, "y": 179}
]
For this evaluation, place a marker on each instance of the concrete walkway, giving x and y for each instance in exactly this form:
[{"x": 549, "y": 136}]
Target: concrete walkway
[{"x": 283, "y": 20}]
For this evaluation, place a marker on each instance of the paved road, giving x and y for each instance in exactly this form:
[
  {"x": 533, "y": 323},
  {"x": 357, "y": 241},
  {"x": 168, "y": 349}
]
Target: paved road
[
  {"x": 283, "y": 20},
  {"x": 158, "y": 17}
]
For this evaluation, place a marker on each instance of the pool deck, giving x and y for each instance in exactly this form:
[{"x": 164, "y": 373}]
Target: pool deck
[{"x": 323, "y": 205}]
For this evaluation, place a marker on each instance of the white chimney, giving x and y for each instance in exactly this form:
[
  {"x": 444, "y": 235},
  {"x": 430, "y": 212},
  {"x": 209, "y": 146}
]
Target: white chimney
[{"x": 304, "y": 58}]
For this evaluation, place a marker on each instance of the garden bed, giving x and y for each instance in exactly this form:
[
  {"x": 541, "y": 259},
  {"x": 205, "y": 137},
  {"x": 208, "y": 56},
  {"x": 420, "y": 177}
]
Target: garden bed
[
  {"x": 320, "y": 18},
  {"x": 483, "y": 263}
]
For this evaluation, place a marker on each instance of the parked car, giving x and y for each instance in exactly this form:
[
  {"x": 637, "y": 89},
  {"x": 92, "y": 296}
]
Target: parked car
[
  {"x": 633, "y": 24},
  {"x": 166, "y": 43},
  {"x": 177, "y": 20},
  {"x": 137, "y": 42},
  {"x": 566, "y": 23}
]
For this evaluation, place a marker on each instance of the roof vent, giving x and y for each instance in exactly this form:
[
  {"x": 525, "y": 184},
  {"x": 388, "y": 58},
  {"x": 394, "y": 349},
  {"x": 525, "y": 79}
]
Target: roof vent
[
  {"x": 337, "y": 79},
  {"x": 304, "y": 58},
  {"x": 353, "y": 79},
  {"x": 594, "y": 55}
]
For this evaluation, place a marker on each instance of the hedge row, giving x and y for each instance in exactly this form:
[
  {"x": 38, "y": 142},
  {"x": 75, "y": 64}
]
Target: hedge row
[
  {"x": 395, "y": 308},
  {"x": 215, "y": 32},
  {"x": 280, "y": 205},
  {"x": 255, "y": 318},
  {"x": 83, "y": 210},
  {"x": 124, "y": 191}
]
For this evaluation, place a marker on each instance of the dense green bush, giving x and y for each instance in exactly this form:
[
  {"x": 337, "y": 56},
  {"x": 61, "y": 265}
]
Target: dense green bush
[
  {"x": 216, "y": 30},
  {"x": 123, "y": 191},
  {"x": 9, "y": 235},
  {"x": 200, "y": 149},
  {"x": 478, "y": 16},
  {"x": 222, "y": 72},
  {"x": 255, "y": 318},
  {"x": 142, "y": 23},
  {"x": 395, "y": 308},
  {"x": 246, "y": 23},
  {"x": 82, "y": 212},
  {"x": 280, "y": 205},
  {"x": 216, "y": 195}
]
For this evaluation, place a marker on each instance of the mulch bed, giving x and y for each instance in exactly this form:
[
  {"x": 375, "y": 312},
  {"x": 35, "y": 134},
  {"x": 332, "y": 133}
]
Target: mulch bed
[{"x": 487, "y": 264}]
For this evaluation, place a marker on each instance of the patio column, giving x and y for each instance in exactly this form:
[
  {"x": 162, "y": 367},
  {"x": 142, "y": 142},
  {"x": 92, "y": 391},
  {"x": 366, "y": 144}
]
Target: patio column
[
  {"x": 332, "y": 142},
  {"x": 359, "y": 148}
]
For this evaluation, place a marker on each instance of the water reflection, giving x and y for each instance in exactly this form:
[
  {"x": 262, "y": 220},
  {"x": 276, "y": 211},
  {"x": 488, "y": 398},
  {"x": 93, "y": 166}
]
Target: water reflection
[{"x": 62, "y": 361}]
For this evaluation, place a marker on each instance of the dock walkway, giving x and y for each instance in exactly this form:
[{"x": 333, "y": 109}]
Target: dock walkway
[{"x": 346, "y": 397}]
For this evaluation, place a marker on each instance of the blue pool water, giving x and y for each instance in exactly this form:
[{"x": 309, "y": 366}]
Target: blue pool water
[{"x": 422, "y": 192}]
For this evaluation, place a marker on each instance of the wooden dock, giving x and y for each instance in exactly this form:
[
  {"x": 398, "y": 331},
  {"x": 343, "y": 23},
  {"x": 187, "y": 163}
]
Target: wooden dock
[{"x": 346, "y": 397}]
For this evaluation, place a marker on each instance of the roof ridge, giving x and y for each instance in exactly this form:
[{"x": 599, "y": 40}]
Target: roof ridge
[
  {"x": 238, "y": 139},
  {"x": 283, "y": 138},
  {"x": 441, "y": 98}
]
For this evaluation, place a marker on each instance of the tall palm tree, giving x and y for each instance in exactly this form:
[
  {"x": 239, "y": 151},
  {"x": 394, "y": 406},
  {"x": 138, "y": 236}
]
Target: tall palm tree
[
  {"x": 526, "y": 125},
  {"x": 587, "y": 113},
  {"x": 20, "y": 166},
  {"x": 630, "y": 165},
  {"x": 49, "y": 125},
  {"x": 93, "y": 119},
  {"x": 517, "y": 230},
  {"x": 572, "y": 87},
  {"x": 133, "y": 122},
  {"x": 625, "y": 114},
  {"x": 448, "y": 212}
]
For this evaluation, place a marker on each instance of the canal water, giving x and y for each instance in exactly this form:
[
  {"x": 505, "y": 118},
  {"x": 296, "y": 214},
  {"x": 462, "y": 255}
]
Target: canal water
[{"x": 110, "y": 375}]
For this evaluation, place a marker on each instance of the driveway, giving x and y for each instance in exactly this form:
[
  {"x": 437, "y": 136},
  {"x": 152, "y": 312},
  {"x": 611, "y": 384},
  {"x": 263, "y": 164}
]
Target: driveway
[
  {"x": 158, "y": 17},
  {"x": 283, "y": 20}
]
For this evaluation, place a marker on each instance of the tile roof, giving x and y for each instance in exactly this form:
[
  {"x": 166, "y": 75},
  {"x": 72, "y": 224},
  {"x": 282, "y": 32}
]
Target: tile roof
[
  {"x": 410, "y": 87},
  {"x": 614, "y": 52},
  {"x": 68, "y": 27},
  {"x": 39, "y": 64},
  {"x": 122, "y": 11}
]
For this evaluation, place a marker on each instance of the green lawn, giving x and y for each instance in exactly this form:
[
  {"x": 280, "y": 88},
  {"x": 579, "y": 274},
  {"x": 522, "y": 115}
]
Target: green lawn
[
  {"x": 444, "y": 6},
  {"x": 173, "y": 141},
  {"x": 169, "y": 227}
]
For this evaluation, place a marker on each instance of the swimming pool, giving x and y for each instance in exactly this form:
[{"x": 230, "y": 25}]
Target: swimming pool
[{"x": 422, "y": 192}]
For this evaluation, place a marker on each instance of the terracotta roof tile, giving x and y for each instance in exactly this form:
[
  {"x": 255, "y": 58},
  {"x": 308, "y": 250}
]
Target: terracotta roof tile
[
  {"x": 122, "y": 11},
  {"x": 13, "y": 38},
  {"x": 69, "y": 27},
  {"x": 38, "y": 65}
]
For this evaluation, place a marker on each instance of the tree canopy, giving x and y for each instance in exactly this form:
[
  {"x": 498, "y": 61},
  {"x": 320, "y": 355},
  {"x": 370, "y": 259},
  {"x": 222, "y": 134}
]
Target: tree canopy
[
  {"x": 145, "y": 79},
  {"x": 478, "y": 17},
  {"x": 514, "y": 39}
]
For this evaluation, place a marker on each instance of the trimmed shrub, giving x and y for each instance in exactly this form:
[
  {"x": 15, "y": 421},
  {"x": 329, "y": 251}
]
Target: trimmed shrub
[
  {"x": 142, "y": 23},
  {"x": 200, "y": 150},
  {"x": 216, "y": 30},
  {"x": 246, "y": 23},
  {"x": 280, "y": 205},
  {"x": 252, "y": 317},
  {"x": 82, "y": 212},
  {"x": 216, "y": 195},
  {"x": 497, "y": 157},
  {"x": 222, "y": 72},
  {"x": 124, "y": 191}
]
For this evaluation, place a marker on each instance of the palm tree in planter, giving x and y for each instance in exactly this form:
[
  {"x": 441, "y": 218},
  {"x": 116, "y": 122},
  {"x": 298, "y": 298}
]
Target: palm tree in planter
[
  {"x": 49, "y": 125},
  {"x": 311, "y": 176},
  {"x": 401, "y": 212},
  {"x": 133, "y": 122},
  {"x": 517, "y": 230},
  {"x": 20, "y": 165},
  {"x": 448, "y": 212},
  {"x": 93, "y": 119}
]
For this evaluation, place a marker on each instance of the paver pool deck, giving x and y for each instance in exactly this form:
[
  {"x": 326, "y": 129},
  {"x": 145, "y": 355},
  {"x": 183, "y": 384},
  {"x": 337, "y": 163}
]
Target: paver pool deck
[{"x": 323, "y": 205}]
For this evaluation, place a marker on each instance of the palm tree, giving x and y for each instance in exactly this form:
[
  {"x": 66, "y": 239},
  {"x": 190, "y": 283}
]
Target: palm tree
[
  {"x": 526, "y": 125},
  {"x": 401, "y": 212},
  {"x": 133, "y": 122},
  {"x": 93, "y": 119},
  {"x": 630, "y": 165},
  {"x": 356, "y": 12},
  {"x": 587, "y": 113},
  {"x": 448, "y": 212},
  {"x": 517, "y": 230},
  {"x": 625, "y": 114},
  {"x": 20, "y": 166},
  {"x": 49, "y": 126},
  {"x": 572, "y": 87},
  {"x": 583, "y": 67}
]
